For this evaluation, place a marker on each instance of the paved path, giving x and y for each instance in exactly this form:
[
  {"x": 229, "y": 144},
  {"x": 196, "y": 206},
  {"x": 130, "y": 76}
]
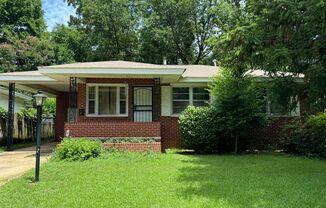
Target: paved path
[{"x": 17, "y": 162}]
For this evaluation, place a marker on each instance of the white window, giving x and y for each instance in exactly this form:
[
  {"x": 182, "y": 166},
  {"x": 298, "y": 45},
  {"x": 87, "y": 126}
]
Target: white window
[
  {"x": 106, "y": 99},
  {"x": 184, "y": 96}
]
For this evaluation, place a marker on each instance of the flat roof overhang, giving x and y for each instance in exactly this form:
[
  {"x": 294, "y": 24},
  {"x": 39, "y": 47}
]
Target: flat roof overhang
[
  {"x": 110, "y": 71},
  {"x": 34, "y": 81},
  {"x": 63, "y": 73}
]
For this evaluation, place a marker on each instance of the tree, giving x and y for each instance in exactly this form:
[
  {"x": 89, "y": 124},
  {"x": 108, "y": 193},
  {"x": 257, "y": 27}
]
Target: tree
[
  {"x": 19, "y": 19},
  {"x": 110, "y": 27},
  {"x": 23, "y": 43},
  {"x": 236, "y": 102},
  {"x": 146, "y": 30},
  {"x": 26, "y": 54},
  {"x": 177, "y": 30},
  {"x": 70, "y": 44},
  {"x": 286, "y": 36}
]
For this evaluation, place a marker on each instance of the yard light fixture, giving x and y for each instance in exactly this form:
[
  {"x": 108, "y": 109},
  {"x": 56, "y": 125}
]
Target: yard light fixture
[{"x": 39, "y": 100}]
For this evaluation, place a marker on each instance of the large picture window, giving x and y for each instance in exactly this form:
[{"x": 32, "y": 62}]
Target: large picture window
[
  {"x": 184, "y": 96},
  {"x": 106, "y": 100}
]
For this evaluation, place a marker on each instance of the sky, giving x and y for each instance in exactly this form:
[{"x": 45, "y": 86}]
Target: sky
[{"x": 56, "y": 12}]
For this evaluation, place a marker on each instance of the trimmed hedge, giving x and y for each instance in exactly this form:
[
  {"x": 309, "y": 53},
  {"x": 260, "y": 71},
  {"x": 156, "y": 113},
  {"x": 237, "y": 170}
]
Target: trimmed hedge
[
  {"x": 131, "y": 140},
  {"x": 199, "y": 128},
  {"x": 309, "y": 139},
  {"x": 78, "y": 149}
]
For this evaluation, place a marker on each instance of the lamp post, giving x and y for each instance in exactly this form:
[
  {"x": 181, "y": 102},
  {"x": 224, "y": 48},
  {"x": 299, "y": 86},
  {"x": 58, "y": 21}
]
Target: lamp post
[{"x": 39, "y": 99}]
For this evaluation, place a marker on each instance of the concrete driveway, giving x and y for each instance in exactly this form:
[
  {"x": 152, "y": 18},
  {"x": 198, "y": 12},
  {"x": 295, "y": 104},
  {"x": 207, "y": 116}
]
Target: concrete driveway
[{"x": 17, "y": 162}]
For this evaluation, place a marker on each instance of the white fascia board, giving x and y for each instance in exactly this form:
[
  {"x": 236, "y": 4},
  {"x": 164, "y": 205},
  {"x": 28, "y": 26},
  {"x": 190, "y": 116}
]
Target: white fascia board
[
  {"x": 115, "y": 71},
  {"x": 189, "y": 84},
  {"x": 196, "y": 79},
  {"x": 17, "y": 78}
]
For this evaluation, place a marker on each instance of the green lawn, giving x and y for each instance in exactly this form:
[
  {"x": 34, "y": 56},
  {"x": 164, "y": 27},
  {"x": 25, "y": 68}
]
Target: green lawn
[{"x": 173, "y": 180}]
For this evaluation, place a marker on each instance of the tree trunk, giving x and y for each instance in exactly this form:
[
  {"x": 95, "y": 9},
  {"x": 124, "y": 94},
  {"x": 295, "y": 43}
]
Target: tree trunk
[{"x": 236, "y": 145}]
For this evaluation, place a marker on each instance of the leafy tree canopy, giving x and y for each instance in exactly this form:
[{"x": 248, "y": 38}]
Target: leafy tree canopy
[
  {"x": 23, "y": 43},
  {"x": 146, "y": 30},
  {"x": 70, "y": 44},
  {"x": 285, "y": 35},
  {"x": 110, "y": 27},
  {"x": 20, "y": 18},
  {"x": 26, "y": 54}
]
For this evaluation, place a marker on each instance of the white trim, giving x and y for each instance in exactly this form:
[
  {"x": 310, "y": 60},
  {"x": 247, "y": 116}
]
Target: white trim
[
  {"x": 97, "y": 99},
  {"x": 13, "y": 78},
  {"x": 111, "y": 71},
  {"x": 189, "y": 85},
  {"x": 196, "y": 79},
  {"x": 166, "y": 100}
]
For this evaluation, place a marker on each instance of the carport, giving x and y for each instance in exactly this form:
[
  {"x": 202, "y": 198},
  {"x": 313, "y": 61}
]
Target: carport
[{"x": 33, "y": 81}]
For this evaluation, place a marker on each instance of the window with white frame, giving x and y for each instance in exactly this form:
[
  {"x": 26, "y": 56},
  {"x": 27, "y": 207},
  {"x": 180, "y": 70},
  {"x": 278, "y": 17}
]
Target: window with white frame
[
  {"x": 275, "y": 109},
  {"x": 184, "y": 96},
  {"x": 106, "y": 100}
]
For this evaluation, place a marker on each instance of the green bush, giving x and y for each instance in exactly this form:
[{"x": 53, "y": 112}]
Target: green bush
[
  {"x": 3, "y": 113},
  {"x": 308, "y": 139},
  {"x": 131, "y": 140},
  {"x": 198, "y": 128},
  {"x": 78, "y": 149}
]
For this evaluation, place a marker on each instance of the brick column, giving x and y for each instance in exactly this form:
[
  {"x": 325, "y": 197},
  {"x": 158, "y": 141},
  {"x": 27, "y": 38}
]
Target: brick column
[{"x": 62, "y": 104}]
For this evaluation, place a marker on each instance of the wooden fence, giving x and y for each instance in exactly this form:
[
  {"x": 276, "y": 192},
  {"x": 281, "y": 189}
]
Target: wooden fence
[{"x": 24, "y": 129}]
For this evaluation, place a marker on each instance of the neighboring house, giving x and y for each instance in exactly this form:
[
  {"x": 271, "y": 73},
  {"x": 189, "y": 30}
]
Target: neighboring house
[
  {"x": 120, "y": 98},
  {"x": 20, "y": 99}
]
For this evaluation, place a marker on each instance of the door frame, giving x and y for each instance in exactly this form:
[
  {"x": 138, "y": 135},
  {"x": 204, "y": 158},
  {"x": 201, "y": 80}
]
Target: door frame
[{"x": 133, "y": 100}]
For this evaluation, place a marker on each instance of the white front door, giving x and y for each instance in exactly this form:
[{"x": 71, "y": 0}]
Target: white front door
[{"x": 143, "y": 104}]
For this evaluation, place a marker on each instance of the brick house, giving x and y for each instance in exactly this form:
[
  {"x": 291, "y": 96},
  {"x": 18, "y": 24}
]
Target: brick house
[{"x": 120, "y": 98}]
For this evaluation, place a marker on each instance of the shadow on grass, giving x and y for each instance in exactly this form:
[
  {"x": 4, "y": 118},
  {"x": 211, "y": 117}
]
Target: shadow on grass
[
  {"x": 247, "y": 180},
  {"x": 30, "y": 179}
]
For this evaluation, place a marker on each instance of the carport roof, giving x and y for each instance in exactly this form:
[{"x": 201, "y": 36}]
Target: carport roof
[{"x": 32, "y": 76}]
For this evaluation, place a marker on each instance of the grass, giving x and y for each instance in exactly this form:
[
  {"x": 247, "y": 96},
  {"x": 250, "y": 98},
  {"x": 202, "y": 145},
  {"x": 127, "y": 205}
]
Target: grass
[{"x": 173, "y": 180}]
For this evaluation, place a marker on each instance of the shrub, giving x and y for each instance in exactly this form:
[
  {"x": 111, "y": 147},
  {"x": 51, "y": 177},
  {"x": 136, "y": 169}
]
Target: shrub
[
  {"x": 309, "y": 139},
  {"x": 198, "y": 128},
  {"x": 3, "y": 113},
  {"x": 131, "y": 140},
  {"x": 236, "y": 100},
  {"x": 78, "y": 149}
]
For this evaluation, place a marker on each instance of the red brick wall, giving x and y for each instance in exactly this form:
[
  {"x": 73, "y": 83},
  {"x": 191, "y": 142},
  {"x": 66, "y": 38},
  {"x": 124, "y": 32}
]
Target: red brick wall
[
  {"x": 259, "y": 138},
  {"x": 155, "y": 146},
  {"x": 263, "y": 137},
  {"x": 62, "y": 103},
  {"x": 170, "y": 132},
  {"x": 113, "y": 129}
]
